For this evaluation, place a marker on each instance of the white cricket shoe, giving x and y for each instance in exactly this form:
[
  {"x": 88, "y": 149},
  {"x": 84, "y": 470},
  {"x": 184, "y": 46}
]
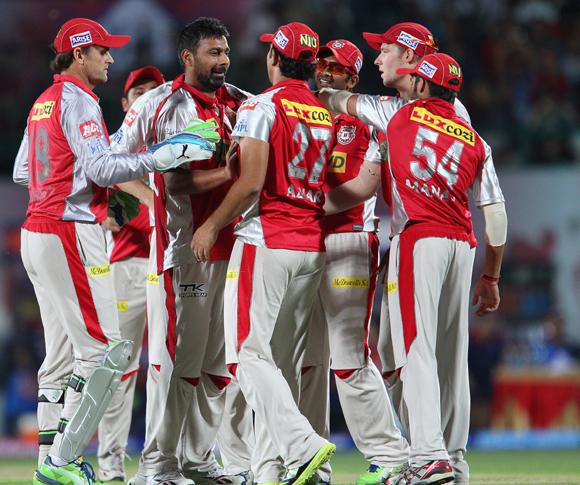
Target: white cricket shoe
[
  {"x": 218, "y": 476},
  {"x": 112, "y": 466},
  {"x": 172, "y": 477}
]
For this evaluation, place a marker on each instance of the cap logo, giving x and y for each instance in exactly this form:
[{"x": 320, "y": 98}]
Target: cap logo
[
  {"x": 358, "y": 64},
  {"x": 428, "y": 69},
  {"x": 81, "y": 38},
  {"x": 281, "y": 40},
  {"x": 337, "y": 44},
  {"x": 308, "y": 40},
  {"x": 408, "y": 40},
  {"x": 454, "y": 70}
]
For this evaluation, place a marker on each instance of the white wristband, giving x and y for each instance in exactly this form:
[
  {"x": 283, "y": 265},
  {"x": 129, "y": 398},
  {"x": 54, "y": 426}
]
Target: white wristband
[{"x": 335, "y": 100}]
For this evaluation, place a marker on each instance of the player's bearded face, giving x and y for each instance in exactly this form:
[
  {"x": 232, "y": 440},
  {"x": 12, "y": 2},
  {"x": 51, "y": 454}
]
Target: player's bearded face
[
  {"x": 211, "y": 62},
  {"x": 331, "y": 74}
]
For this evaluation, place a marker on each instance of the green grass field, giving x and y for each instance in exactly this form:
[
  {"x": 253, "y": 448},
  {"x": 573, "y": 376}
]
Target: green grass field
[{"x": 487, "y": 468}]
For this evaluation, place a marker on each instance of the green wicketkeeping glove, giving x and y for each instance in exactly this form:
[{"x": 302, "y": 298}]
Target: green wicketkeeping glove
[{"x": 205, "y": 129}]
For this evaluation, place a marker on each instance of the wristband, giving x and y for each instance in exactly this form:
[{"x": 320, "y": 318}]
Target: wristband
[{"x": 489, "y": 279}]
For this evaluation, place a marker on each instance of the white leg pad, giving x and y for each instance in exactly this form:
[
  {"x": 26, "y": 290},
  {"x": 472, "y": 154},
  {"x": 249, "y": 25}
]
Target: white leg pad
[{"x": 96, "y": 395}]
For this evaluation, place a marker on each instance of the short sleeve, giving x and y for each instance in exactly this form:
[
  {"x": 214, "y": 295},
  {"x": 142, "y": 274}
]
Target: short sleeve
[{"x": 254, "y": 120}]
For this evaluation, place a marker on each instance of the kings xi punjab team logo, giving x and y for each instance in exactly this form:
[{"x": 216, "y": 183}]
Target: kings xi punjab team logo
[{"x": 346, "y": 134}]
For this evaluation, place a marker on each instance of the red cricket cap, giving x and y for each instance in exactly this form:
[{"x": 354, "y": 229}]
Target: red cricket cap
[
  {"x": 295, "y": 40},
  {"x": 345, "y": 52},
  {"x": 438, "y": 68},
  {"x": 143, "y": 74},
  {"x": 81, "y": 32},
  {"x": 406, "y": 34}
]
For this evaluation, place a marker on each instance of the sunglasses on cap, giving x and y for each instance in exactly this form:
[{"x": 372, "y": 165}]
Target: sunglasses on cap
[{"x": 332, "y": 67}]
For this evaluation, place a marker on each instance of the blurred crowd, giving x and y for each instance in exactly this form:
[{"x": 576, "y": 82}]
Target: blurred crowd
[{"x": 521, "y": 58}]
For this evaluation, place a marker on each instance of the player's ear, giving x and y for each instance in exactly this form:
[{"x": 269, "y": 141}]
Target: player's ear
[
  {"x": 78, "y": 55},
  {"x": 186, "y": 57},
  {"x": 408, "y": 55},
  {"x": 124, "y": 104}
]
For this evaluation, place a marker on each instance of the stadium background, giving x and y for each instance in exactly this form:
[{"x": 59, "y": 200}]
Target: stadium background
[{"x": 521, "y": 63}]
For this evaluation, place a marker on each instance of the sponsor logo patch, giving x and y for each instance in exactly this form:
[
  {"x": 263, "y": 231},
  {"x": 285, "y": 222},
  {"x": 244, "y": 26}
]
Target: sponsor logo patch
[
  {"x": 41, "y": 111},
  {"x": 248, "y": 106},
  {"x": 454, "y": 70},
  {"x": 130, "y": 117},
  {"x": 152, "y": 279},
  {"x": 305, "y": 112},
  {"x": 281, "y": 40},
  {"x": 122, "y": 306},
  {"x": 81, "y": 38},
  {"x": 96, "y": 147},
  {"x": 241, "y": 126},
  {"x": 408, "y": 40},
  {"x": 96, "y": 271},
  {"x": 349, "y": 282},
  {"x": 428, "y": 69},
  {"x": 337, "y": 44},
  {"x": 443, "y": 125},
  {"x": 232, "y": 274},
  {"x": 346, "y": 134},
  {"x": 308, "y": 40},
  {"x": 358, "y": 64},
  {"x": 391, "y": 286},
  {"x": 192, "y": 290},
  {"x": 337, "y": 162},
  {"x": 90, "y": 128}
]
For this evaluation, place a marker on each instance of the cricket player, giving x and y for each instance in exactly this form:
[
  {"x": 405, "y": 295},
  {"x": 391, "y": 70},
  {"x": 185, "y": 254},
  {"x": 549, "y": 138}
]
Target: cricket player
[
  {"x": 66, "y": 162},
  {"x": 347, "y": 291},
  {"x": 431, "y": 159},
  {"x": 186, "y": 403},
  {"x": 285, "y": 138},
  {"x": 128, "y": 250},
  {"x": 402, "y": 46}
]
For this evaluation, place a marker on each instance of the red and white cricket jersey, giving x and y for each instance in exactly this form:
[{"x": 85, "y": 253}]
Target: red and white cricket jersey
[
  {"x": 65, "y": 158},
  {"x": 132, "y": 241},
  {"x": 434, "y": 157},
  {"x": 352, "y": 143},
  {"x": 154, "y": 117},
  {"x": 300, "y": 132}
]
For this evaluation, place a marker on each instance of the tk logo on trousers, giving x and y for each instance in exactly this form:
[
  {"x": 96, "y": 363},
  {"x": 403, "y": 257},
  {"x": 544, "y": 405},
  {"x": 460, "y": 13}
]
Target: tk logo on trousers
[{"x": 193, "y": 290}]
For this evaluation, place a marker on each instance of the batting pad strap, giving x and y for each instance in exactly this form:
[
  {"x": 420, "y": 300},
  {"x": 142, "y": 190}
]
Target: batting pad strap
[
  {"x": 54, "y": 396},
  {"x": 62, "y": 425},
  {"x": 47, "y": 437},
  {"x": 76, "y": 382}
]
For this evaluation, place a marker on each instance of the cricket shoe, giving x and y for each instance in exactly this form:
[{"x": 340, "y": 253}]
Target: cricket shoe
[
  {"x": 112, "y": 466},
  {"x": 169, "y": 477},
  {"x": 78, "y": 472},
  {"x": 379, "y": 475},
  {"x": 218, "y": 476},
  {"x": 434, "y": 472},
  {"x": 300, "y": 475}
]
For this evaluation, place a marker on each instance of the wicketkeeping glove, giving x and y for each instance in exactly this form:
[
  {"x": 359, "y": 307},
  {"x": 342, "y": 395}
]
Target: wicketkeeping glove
[
  {"x": 180, "y": 148},
  {"x": 122, "y": 206},
  {"x": 205, "y": 129}
]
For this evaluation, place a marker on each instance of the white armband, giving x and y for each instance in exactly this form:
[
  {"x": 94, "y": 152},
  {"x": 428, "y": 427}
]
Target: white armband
[
  {"x": 336, "y": 100},
  {"x": 495, "y": 224}
]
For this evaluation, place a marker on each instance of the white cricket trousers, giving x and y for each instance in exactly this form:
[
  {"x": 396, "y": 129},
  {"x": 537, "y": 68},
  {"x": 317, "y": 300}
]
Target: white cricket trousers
[
  {"x": 67, "y": 264},
  {"x": 268, "y": 301},
  {"x": 130, "y": 276},
  {"x": 428, "y": 296}
]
